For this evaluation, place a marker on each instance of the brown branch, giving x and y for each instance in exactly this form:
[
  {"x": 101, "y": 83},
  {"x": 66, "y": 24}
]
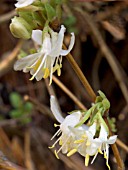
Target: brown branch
[
  {"x": 7, "y": 17},
  {"x": 80, "y": 75},
  {"x": 8, "y": 62},
  {"x": 69, "y": 93},
  {"x": 112, "y": 60}
]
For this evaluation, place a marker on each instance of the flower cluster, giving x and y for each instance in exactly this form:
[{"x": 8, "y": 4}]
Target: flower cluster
[
  {"x": 35, "y": 22},
  {"x": 48, "y": 59},
  {"x": 82, "y": 139}
]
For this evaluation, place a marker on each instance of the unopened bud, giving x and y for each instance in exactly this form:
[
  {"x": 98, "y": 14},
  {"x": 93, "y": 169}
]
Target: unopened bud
[{"x": 20, "y": 28}]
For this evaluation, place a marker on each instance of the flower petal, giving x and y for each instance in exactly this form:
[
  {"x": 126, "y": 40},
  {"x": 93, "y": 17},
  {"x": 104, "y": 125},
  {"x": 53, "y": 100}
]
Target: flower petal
[
  {"x": 25, "y": 62},
  {"x": 23, "y": 3},
  {"x": 92, "y": 129},
  {"x": 103, "y": 133},
  {"x": 65, "y": 52},
  {"x": 37, "y": 36},
  {"x": 55, "y": 110},
  {"x": 112, "y": 139},
  {"x": 55, "y": 52}
]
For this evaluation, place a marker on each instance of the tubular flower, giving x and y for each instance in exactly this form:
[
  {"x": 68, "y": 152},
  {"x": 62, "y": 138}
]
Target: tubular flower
[
  {"x": 67, "y": 130},
  {"x": 105, "y": 142},
  {"x": 49, "y": 58},
  {"x": 93, "y": 146},
  {"x": 23, "y": 3}
]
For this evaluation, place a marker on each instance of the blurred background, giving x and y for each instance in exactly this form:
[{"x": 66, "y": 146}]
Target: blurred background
[{"x": 101, "y": 51}]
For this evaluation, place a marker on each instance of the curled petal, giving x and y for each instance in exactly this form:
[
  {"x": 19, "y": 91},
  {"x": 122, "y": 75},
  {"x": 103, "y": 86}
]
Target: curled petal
[
  {"x": 37, "y": 36},
  {"x": 55, "y": 110},
  {"x": 65, "y": 52},
  {"x": 23, "y": 3}
]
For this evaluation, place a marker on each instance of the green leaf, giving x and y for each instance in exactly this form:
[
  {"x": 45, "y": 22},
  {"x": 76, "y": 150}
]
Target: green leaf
[
  {"x": 16, "y": 100},
  {"x": 51, "y": 13},
  {"x": 28, "y": 107},
  {"x": 70, "y": 20},
  {"x": 17, "y": 113}
]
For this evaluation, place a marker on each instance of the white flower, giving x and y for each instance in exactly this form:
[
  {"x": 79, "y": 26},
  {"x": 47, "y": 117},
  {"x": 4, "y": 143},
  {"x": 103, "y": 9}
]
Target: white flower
[
  {"x": 49, "y": 58},
  {"x": 23, "y": 3},
  {"x": 67, "y": 129},
  {"x": 97, "y": 145},
  {"x": 105, "y": 142}
]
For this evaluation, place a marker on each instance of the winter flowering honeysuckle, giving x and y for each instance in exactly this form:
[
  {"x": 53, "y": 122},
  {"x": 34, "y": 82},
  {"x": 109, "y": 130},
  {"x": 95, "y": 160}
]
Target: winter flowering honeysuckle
[
  {"x": 23, "y": 3},
  {"x": 105, "y": 142},
  {"x": 67, "y": 130},
  {"x": 86, "y": 140},
  {"x": 92, "y": 145},
  {"x": 48, "y": 59}
]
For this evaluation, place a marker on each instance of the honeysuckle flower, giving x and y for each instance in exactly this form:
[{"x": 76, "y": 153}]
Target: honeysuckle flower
[
  {"x": 49, "y": 58},
  {"x": 105, "y": 142},
  {"x": 92, "y": 146},
  {"x": 23, "y": 3},
  {"x": 67, "y": 126}
]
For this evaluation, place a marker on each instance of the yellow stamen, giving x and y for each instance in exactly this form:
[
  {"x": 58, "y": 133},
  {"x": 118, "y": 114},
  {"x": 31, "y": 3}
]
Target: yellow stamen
[
  {"x": 79, "y": 141},
  {"x": 105, "y": 156},
  {"x": 100, "y": 151},
  {"x": 88, "y": 143},
  {"x": 31, "y": 78},
  {"x": 58, "y": 71},
  {"x": 56, "y": 154},
  {"x": 55, "y": 125},
  {"x": 46, "y": 73},
  {"x": 50, "y": 147},
  {"x": 87, "y": 159},
  {"x": 37, "y": 65},
  {"x": 84, "y": 136},
  {"x": 72, "y": 152},
  {"x": 60, "y": 142}
]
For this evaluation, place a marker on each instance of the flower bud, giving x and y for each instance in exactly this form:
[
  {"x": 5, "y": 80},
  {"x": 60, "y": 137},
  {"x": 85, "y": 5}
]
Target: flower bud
[{"x": 20, "y": 28}]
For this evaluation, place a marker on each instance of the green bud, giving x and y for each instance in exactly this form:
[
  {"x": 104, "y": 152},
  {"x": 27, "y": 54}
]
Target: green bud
[
  {"x": 20, "y": 28},
  {"x": 101, "y": 94}
]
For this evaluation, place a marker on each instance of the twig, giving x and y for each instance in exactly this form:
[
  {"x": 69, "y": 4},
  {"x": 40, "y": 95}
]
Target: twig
[
  {"x": 40, "y": 107},
  {"x": 80, "y": 75},
  {"x": 113, "y": 62},
  {"x": 8, "y": 61},
  {"x": 69, "y": 93},
  {"x": 122, "y": 145},
  {"x": 7, "y": 17}
]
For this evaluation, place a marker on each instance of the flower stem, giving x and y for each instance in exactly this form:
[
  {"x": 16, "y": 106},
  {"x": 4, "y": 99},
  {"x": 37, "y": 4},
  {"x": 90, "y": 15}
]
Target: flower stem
[{"x": 81, "y": 75}]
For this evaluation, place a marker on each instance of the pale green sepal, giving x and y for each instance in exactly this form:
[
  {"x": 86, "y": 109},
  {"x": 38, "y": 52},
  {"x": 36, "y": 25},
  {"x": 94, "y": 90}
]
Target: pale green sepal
[
  {"x": 28, "y": 18},
  {"x": 58, "y": 12},
  {"x": 86, "y": 116},
  {"x": 82, "y": 111},
  {"x": 106, "y": 104},
  {"x": 103, "y": 122},
  {"x": 51, "y": 13},
  {"x": 30, "y": 8},
  {"x": 101, "y": 94}
]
